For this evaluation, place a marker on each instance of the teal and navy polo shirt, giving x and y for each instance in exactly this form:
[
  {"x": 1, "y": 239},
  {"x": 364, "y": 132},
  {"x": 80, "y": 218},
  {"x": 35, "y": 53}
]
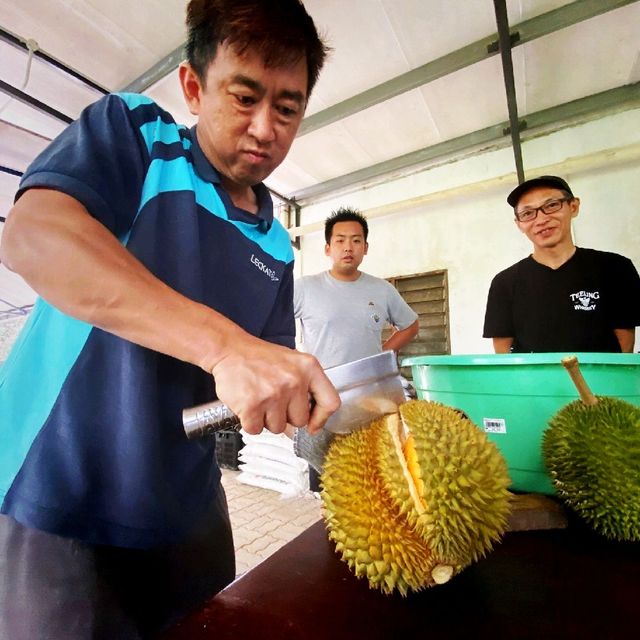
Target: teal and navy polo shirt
[{"x": 91, "y": 438}]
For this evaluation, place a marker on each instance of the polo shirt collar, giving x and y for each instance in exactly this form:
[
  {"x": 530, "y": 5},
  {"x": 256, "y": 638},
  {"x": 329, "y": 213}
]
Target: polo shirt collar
[{"x": 207, "y": 172}]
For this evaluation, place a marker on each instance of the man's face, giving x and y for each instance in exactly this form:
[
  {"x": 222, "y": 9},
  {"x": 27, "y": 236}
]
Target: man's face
[
  {"x": 247, "y": 114},
  {"x": 547, "y": 231},
  {"x": 346, "y": 248}
]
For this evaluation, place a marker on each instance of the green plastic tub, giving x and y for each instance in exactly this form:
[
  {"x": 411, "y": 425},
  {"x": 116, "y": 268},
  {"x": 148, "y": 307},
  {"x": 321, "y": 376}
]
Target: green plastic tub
[{"x": 513, "y": 396}]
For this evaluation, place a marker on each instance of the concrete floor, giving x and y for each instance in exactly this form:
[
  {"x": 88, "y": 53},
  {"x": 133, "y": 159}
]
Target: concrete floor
[{"x": 263, "y": 520}]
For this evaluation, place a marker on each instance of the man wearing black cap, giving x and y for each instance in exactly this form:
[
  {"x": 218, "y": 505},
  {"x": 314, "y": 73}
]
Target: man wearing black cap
[{"x": 561, "y": 297}]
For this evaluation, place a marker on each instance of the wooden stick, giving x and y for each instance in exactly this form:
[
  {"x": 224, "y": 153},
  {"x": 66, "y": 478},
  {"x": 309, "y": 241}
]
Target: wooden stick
[{"x": 570, "y": 363}]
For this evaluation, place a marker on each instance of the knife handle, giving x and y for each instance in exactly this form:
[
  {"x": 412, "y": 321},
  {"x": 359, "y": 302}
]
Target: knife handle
[{"x": 209, "y": 418}]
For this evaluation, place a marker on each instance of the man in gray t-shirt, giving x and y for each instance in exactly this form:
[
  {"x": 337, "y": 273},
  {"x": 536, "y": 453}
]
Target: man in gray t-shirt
[
  {"x": 343, "y": 311},
  {"x": 342, "y": 320}
]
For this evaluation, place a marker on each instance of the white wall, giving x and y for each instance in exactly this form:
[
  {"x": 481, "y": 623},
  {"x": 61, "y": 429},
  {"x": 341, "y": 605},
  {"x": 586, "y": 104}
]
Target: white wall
[{"x": 471, "y": 232}]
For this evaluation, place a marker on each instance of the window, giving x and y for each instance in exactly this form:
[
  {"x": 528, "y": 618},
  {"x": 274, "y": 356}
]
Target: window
[{"x": 428, "y": 295}]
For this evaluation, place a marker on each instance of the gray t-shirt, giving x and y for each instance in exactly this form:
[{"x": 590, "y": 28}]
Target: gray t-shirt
[{"x": 343, "y": 321}]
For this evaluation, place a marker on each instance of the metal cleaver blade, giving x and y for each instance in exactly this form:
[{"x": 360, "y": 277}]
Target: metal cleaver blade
[{"x": 369, "y": 388}]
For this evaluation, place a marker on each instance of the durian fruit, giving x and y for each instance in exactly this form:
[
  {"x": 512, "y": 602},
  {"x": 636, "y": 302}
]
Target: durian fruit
[
  {"x": 593, "y": 456},
  {"x": 415, "y": 497}
]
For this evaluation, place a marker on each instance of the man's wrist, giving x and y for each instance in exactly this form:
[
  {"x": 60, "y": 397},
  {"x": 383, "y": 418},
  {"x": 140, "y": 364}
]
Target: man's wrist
[{"x": 210, "y": 337}]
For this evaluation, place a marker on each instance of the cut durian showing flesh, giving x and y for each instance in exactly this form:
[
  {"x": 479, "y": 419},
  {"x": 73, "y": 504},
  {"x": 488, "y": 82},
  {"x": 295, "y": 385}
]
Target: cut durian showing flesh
[
  {"x": 415, "y": 497},
  {"x": 370, "y": 532}
]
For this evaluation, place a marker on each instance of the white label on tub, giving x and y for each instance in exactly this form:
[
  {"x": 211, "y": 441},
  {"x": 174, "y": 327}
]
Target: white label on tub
[{"x": 495, "y": 425}]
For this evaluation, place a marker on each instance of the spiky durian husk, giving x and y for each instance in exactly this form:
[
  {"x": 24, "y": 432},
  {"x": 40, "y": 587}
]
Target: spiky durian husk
[
  {"x": 593, "y": 456},
  {"x": 370, "y": 533},
  {"x": 408, "y": 533},
  {"x": 463, "y": 482}
]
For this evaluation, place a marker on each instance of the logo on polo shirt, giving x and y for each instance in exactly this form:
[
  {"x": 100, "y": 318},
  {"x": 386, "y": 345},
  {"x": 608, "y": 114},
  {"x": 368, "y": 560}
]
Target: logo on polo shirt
[
  {"x": 263, "y": 267},
  {"x": 584, "y": 300}
]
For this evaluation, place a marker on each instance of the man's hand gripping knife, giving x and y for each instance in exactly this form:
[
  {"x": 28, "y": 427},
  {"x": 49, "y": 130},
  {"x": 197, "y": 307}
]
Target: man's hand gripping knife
[{"x": 268, "y": 386}]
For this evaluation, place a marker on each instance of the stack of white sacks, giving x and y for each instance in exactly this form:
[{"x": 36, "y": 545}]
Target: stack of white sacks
[{"x": 267, "y": 460}]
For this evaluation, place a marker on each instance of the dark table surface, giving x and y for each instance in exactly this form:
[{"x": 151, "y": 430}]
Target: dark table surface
[{"x": 567, "y": 583}]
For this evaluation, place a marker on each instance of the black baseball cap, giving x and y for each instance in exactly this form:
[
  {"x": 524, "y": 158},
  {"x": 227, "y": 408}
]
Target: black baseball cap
[{"x": 542, "y": 181}]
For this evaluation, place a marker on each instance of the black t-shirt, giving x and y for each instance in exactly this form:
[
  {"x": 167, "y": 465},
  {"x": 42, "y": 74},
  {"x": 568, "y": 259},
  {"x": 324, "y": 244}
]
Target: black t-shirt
[{"x": 573, "y": 308}]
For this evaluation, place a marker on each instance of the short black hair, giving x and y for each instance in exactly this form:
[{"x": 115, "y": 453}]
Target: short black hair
[
  {"x": 281, "y": 31},
  {"x": 345, "y": 214}
]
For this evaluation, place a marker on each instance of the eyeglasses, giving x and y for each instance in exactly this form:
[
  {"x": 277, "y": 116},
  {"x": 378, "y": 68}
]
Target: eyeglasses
[{"x": 549, "y": 207}]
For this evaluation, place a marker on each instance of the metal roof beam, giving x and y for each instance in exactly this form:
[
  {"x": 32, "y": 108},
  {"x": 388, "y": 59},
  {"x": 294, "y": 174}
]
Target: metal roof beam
[
  {"x": 158, "y": 71},
  {"x": 29, "y": 100},
  {"x": 10, "y": 171}
]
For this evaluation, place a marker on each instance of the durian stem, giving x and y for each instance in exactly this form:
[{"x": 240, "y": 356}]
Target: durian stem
[{"x": 570, "y": 363}]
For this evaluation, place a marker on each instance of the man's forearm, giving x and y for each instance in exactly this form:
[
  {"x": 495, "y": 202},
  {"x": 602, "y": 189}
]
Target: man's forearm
[
  {"x": 78, "y": 266},
  {"x": 399, "y": 339},
  {"x": 626, "y": 339},
  {"x": 502, "y": 345}
]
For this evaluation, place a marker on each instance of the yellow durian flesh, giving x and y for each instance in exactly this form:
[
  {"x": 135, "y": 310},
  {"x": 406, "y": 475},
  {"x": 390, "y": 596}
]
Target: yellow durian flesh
[{"x": 415, "y": 497}]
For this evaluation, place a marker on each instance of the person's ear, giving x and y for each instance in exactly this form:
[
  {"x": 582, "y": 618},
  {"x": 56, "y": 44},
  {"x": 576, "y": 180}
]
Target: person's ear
[
  {"x": 191, "y": 87},
  {"x": 366, "y": 248},
  {"x": 574, "y": 207},
  {"x": 326, "y": 249}
]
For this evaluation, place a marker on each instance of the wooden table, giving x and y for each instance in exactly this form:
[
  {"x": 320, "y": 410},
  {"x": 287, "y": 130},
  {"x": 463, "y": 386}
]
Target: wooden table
[{"x": 569, "y": 584}]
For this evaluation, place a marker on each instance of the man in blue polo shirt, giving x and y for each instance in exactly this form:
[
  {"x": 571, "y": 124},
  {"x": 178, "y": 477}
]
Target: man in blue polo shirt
[{"x": 159, "y": 265}]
